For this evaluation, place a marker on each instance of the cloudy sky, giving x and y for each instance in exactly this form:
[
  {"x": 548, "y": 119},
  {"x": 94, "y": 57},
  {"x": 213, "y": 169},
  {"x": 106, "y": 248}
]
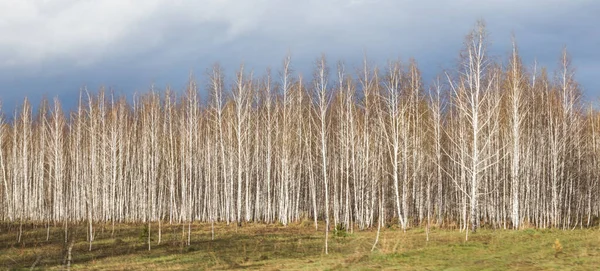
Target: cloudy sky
[{"x": 53, "y": 48}]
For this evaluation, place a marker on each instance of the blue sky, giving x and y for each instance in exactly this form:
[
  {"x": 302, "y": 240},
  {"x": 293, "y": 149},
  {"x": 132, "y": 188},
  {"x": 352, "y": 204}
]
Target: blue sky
[{"x": 53, "y": 48}]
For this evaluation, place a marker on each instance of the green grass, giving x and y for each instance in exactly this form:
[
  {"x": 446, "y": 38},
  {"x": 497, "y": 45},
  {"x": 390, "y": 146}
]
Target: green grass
[{"x": 299, "y": 247}]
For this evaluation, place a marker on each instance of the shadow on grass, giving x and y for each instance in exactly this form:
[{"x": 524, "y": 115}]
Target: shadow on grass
[{"x": 232, "y": 248}]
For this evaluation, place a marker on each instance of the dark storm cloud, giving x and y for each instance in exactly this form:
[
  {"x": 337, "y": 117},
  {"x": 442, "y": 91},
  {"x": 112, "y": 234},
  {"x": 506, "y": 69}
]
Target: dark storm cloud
[{"x": 55, "y": 48}]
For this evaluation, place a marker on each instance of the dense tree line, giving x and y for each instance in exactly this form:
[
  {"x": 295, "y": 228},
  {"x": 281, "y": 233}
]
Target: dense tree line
[{"x": 492, "y": 143}]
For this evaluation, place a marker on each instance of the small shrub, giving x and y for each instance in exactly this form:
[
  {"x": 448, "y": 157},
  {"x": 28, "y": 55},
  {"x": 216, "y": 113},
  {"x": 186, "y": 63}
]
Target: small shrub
[
  {"x": 340, "y": 231},
  {"x": 557, "y": 248},
  {"x": 144, "y": 233}
]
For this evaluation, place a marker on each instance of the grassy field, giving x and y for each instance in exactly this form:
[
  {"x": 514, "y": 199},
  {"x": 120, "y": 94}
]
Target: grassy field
[{"x": 300, "y": 247}]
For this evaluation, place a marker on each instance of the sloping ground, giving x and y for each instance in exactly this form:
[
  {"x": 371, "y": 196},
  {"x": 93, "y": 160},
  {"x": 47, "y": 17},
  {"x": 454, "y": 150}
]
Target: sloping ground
[{"x": 299, "y": 247}]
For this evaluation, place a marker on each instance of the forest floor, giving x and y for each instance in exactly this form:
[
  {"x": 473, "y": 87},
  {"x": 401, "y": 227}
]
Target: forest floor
[{"x": 299, "y": 247}]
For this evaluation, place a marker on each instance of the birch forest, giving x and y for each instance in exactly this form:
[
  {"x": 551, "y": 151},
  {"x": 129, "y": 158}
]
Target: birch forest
[{"x": 491, "y": 142}]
